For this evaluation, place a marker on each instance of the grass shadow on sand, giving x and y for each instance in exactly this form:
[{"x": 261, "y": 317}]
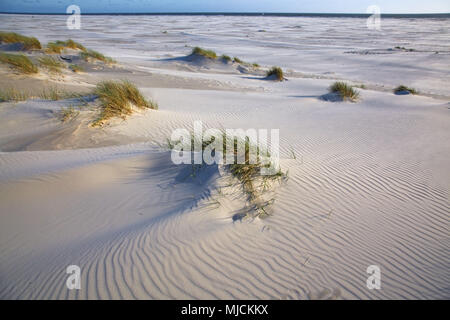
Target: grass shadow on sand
[
  {"x": 340, "y": 92},
  {"x": 252, "y": 171},
  {"x": 189, "y": 187},
  {"x": 270, "y": 78},
  {"x": 306, "y": 97}
]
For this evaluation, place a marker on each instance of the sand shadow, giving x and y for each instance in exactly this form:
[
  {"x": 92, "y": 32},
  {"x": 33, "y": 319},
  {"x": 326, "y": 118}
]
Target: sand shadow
[
  {"x": 331, "y": 97},
  {"x": 402, "y": 93},
  {"x": 270, "y": 78},
  {"x": 188, "y": 184},
  {"x": 17, "y": 46},
  {"x": 175, "y": 59},
  {"x": 161, "y": 165},
  {"x": 196, "y": 59},
  {"x": 240, "y": 215},
  {"x": 305, "y": 97}
]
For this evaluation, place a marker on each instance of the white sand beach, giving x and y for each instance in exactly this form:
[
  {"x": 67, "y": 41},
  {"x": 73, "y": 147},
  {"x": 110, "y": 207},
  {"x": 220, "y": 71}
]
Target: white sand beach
[{"x": 367, "y": 182}]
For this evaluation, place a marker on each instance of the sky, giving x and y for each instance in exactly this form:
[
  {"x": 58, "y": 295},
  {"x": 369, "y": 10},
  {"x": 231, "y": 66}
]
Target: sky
[{"x": 302, "y": 6}]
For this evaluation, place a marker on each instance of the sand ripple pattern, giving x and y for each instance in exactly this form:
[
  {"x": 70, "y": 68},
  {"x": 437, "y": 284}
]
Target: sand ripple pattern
[{"x": 332, "y": 219}]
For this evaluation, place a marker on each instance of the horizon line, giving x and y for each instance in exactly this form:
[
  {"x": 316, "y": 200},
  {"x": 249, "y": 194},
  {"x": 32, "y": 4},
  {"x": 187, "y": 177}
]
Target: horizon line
[{"x": 443, "y": 14}]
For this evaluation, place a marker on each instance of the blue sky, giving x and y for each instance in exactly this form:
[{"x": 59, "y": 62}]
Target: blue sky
[{"x": 306, "y": 6}]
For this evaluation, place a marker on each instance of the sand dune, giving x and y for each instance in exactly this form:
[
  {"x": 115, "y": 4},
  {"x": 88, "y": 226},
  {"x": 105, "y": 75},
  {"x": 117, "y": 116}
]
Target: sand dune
[
  {"x": 143, "y": 229},
  {"x": 368, "y": 184}
]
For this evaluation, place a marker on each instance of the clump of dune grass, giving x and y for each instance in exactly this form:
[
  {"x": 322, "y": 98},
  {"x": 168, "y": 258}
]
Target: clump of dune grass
[
  {"x": 52, "y": 64},
  {"x": 12, "y": 94},
  {"x": 58, "y": 46},
  {"x": 54, "y": 93},
  {"x": 404, "y": 89},
  {"x": 29, "y": 43},
  {"x": 55, "y": 47},
  {"x": 237, "y": 60},
  {"x": 95, "y": 55},
  {"x": 249, "y": 172},
  {"x": 404, "y": 49},
  {"x": 205, "y": 53},
  {"x": 47, "y": 93},
  {"x": 51, "y": 93},
  {"x": 76, "y": 68},
  {"x": 19, "y": 62},
  {"x": 226, "y": 58},
  {"x": 74, "y": 45},
  {"x": 276, "y": 72},
  {"x": 86, "y": 54},
  {"x": 118, "y": 99},
  {"x": 68, "y": 113},
  {"x": 246, "y": 172},
  {"x": 252, "y": 182},
  {"x": 242, "y": 62},
  {"x": 345, "y": 91}
]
